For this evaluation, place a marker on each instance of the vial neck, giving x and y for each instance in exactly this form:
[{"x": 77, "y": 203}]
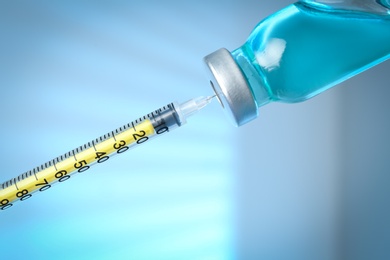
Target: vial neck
[{"x": 253, "y": 74}]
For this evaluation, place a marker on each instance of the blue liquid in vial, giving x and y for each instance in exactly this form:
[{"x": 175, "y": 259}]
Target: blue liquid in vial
[{"x": 301, "y": 51}]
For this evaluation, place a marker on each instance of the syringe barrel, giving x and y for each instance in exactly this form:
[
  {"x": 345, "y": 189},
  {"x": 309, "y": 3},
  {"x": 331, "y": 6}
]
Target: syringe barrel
[{"x": 99, "y": 150}]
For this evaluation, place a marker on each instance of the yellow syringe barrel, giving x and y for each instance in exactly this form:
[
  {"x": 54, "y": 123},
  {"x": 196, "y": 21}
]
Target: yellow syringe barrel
[{"x": 98, "y": 151}]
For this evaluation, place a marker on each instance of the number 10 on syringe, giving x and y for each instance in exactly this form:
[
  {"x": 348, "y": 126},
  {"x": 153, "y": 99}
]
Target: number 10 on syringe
[{"x": 98, "y": 150}]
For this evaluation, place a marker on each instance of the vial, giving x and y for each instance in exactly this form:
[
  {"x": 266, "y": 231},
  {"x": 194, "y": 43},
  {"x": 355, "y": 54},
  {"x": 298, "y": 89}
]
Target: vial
[{"x": 299, "y": 52}]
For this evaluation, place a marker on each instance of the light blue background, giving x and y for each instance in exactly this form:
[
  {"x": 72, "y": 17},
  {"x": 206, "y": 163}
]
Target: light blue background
[{"x": 304, "y": 181}]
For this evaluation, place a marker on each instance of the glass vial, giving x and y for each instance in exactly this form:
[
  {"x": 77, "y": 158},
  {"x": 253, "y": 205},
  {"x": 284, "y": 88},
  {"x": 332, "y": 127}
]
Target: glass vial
[{"x": 300, "y": 52}]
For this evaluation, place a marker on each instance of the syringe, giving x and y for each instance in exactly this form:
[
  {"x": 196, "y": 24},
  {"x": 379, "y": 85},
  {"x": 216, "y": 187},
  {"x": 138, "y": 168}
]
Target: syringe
[{"x": 99, "y": 150}]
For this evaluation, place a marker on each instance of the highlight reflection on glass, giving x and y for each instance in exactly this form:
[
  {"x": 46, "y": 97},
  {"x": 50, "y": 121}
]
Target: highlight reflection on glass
[{"x": 270, "y": 57}]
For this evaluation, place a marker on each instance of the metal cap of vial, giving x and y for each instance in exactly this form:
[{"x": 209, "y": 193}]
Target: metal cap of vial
[{"x": 231, "y": 87}]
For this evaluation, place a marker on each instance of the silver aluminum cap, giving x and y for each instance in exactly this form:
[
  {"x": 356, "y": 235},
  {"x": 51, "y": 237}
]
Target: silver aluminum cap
[{"x": 231, "y": 87}]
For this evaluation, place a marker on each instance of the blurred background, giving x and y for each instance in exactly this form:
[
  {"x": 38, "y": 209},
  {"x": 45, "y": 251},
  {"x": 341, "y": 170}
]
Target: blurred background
[{"x": 303, "y": 181}]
